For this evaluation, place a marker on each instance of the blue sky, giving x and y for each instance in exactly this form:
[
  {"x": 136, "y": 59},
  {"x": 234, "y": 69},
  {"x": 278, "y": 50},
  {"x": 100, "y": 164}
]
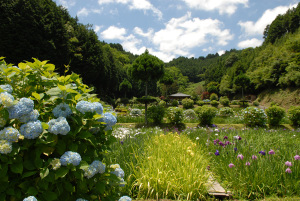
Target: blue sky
[{"x": 173, "y": 28}]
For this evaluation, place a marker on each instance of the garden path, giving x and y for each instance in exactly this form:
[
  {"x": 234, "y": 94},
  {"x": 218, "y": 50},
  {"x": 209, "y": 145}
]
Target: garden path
[{"x": 216, "y": 190}]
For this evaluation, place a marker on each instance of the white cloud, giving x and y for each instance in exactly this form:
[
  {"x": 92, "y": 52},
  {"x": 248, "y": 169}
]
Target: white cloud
[
  {"x": 178, "y": 38},
  {"x": 254, "y": 42},
  {"x": 85, "y": 12},
  {"x": 223, "y": 6},
  {"x": 257, "y": 28},
  {"x": 114, "y": 33},
  {"x": 135, "y": 5},
  {"x": 67, "y": 3},
  {"x": 221, "y": 52},
  {"x": 131, "y": 44},
  {"x": 140, "y": 32},
  {"x": 97, "y": 28},
  {"x": 182, "y": 34}
]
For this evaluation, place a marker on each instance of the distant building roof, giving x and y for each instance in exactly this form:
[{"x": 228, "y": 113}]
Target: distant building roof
[{"x": 179, "y": 95}]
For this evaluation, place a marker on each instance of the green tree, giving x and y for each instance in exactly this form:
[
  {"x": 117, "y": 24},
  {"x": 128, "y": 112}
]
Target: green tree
[
  {"x": 125, "y": 86},
  {"x": 167, "y": 80},
  {"x": 242, "y": 81},
  {"x": 147, "y": 68}
]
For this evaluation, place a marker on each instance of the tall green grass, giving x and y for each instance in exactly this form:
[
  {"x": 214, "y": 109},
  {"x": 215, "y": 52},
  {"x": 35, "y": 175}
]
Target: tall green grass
[{"x": 159, "y": 165}]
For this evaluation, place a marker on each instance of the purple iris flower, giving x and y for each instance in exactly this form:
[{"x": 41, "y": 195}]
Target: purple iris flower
[
  {"x": 271, "y": 152},
  {"x": 262, "y": 152},
  {"x": 221, "y": 144},
  {"x": 225, "y": 137},
  {"x": 235, "y": 149},
  {"x": 217, "y": 153},
  {"x": 227, "y": 143}
]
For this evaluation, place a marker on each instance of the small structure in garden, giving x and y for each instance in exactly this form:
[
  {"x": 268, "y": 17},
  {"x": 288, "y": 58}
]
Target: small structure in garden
[{"x": 179, "y": 96}]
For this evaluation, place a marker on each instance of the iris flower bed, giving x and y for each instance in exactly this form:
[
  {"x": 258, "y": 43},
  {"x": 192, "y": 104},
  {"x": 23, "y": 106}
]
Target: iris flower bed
[{"x": 251, "y": 163}]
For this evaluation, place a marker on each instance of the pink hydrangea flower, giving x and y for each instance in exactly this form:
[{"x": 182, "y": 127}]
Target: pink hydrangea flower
[
  {"x": 288, "y": 170},
  {"x": 288, "y": 163},
  {"x": 231, "y": 165}
]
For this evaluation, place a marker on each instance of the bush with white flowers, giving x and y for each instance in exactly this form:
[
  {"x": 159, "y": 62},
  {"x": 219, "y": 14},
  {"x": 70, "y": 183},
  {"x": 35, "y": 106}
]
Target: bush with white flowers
[{"x": 53, "y": 134}]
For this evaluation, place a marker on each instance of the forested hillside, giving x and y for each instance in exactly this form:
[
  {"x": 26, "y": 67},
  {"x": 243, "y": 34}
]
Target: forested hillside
[
  {"x": 43, "y": 30},
  {"x": 275, "y": 64}
]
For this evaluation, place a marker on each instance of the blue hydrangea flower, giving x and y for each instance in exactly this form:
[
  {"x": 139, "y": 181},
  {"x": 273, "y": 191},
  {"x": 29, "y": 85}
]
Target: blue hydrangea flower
[
  {"x": 98, "y": 107},
  {"x": 10, "y": 134},
  {"x": 7, "y": 88},
  {"x": 125, "y": 198},
  {"x": 32, "y": 129},
  {"x": 118, "y": 172},
  {"x": 30, "y": 198},
  {"x": 5, "y": 147},
  {"x": 23, "y": 107},
  {"x": 59, "y": 126},
  {"x": 109, "y": 120},
  {"x": 122, "y": 182},
  {"x": 62, "y": 110},
  {"x": 99, "y": 166},
  {"x": 84, "y": 106},
  {"x": 94, "y": 168},
  {"x": 32, "y": 116},
  {"x": 90, "y": 172},
  {"x": 70, "y": 157},
  {"x": 6, "y": 99}
]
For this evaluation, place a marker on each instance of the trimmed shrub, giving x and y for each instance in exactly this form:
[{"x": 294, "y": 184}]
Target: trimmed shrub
[
  {"x": 162, "y": 103},
  {"x": 214, "y": 103},
  {"x": 253, "y": 116},
  {"x": 156, "y": 113},
  {"x": 234, "y": 102},
  {"x": 200, "y": 103},
  {"x": 294, "y": 115},
  {"x": 174, "y": 103},
  {"x": 275, "y": 115},
  {"x": 224, "y": 100},
  {"x": 205, "y": 114},
  {"x": 189, "y": 114},
  {"x": 135, "y": 112},
  {"x": 188, "y": 103},
  {"x": 226, "y": 111},
  {"x": 213, "y": 96},
  {"x": 175, "y": 115}
]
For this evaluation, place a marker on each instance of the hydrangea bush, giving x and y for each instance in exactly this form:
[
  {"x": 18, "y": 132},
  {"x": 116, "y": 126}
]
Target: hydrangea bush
[
  {"x": 53, "y": 136},
  {"x": 206, "y": 114},
  {"x": 275, "y": 115},
  {"x": 226, "y": 111},
  {"x": 253, "y": 116},
  {"x": 175, "y": 115}
]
